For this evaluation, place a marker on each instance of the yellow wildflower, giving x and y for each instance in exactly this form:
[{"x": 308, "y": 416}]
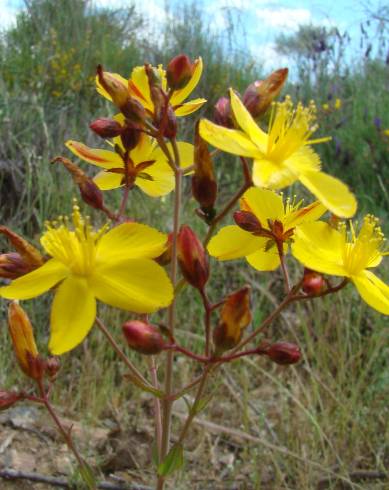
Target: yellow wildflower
[
  {"x": 275, "y": 219},
  {"x": 115, "y": 267},
  {"x": 138, "y": 88},
  {"x": 147, "y": 165},
  {"x": 283, "y": 155},
  {"x": 327, "y": 250}
]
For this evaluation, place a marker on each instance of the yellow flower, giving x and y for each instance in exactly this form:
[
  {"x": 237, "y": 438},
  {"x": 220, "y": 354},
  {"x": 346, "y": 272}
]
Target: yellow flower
[
  {"x": 116, "y": 267},
  {"x": 274, "y": 217},
  {"x": 283, "y": 155},
  {"x": 147, "y": 165},
  {"x": 338, "y": 104},
  {"x": 138, "y": 88},
  {"x": 326, "y": 107},
  {"x": 386, "y": 132},
  {"x": 327, "y": 250}
]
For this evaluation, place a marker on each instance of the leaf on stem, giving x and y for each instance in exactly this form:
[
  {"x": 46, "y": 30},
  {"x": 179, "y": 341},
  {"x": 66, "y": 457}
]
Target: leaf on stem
[{"x": 173, "y": 461}]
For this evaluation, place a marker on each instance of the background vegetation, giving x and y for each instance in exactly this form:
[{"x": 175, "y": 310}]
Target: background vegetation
[{"x": 329, "y": 414}]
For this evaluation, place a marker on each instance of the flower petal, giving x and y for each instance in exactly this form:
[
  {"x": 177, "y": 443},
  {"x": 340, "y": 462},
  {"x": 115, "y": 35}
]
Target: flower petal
[
  {"x": 331, "y": 192},
  {"x": 139, "y": 285},
  {"x": 264, "y": 203},
  {"x": 138, "y": 86},
  {"x": 265, "y": 261},
  {"x": 185, "y": 150},
  {"x": 233, "y": 243},
  {"x": 229, "y": 140},
  {"x": 36, "y": 282},
  {"x": 72, "y": 314},
  {"x": 267, "y": 173},
  {"x": 102, "y": 158},
  {"x": 180, "y": 95},
  {"x": 312, "y": 212},
  {"x": 319, "y": 247},
  {"x": 189, "y": 107},
  {"x": 144, "y": 148},
  {"x": 129, "y": 241},
  {"x": 374, "y": 291},
  {"x": 247, "y": 123},
  {"x": 157, "y": 180},
  {"x": 107, "y": 180}
]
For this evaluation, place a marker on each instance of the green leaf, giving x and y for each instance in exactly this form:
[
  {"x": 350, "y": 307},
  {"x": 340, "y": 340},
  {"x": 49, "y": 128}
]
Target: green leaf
[
  {"x": 173, "y": 461},
  {"x": 201, "y": 404},
  {"x": 88, "y": 476}
]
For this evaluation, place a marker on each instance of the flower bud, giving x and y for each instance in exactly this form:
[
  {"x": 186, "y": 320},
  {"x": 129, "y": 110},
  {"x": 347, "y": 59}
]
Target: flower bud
[
  {"x": 260, "y": 94},
  {"x": 313, "y": 282},
  {"x": 134, "y": 111},
  {"x": 222, "y": 114},
  {"x": 31, "y": 257},
  {"x": 143, "y": 337},
  {"x": 235, "y": 316},
  {"x": 284, "y": 353},
  {"x": 23, "y": 341},
  {"x": 192, "y": 258},
  {"x": 130, "y": 137},
  {"x": 12, "y": 265},
  {"x": 89, "y": 191},
  {"x": 170, "y": 124},
  {"x": 166, "y": 257},
  {"x": 115, "y": 87},
  {"x": 52, "y": 367},
  {"x": 8, "y": 398},
  {"x": 247, "y": 221},
  {"x": 106, "y": 128},
  {"x": 204, "y": 186},
  {"x": 155, "y": 86},
  {"x": 179, "y": 71}
]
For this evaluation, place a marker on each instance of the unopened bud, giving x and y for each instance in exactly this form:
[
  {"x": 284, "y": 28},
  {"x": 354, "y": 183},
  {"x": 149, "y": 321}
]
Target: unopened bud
[
  {"x": 115, "y": 87},
  {"x": 52, "y": 367},
  {"x": 89, "y": 191},
  {"x": 166, "y": 257},
  {"x": 134, "y": 111},
  {"x": 313, "y": 283},
  {"x": 222, "y": 114},
  {"x": 143, "y": 337},
  {"x": 8, "y": 398},
  {"x": 179, "y": 71},
  {"x": 23, "y": 341},
  {"x": 169, "y": 123},
  {"x": 284, "y": 353},
  {"x": 192, "y": 258},
  {"x": 106, "y": 128},
  {"x": 130, "y": 137},
  {"x": 260, "y": 94},
  {"x": 12, "y": 265},
  {"x": 155, "y": 86},
  {"x": 32, "y": 259},
  {"x": 204, "y": 186},
  {"x": 235, "y": 316},
  {"x": 247, "y": 221}
]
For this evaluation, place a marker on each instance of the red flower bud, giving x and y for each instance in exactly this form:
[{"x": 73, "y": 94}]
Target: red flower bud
[
  {"x": 143, "y": 337},
  {"x": 52, "y": 367},
  {"x": 89, "y": 191},
  {"x": 8, "y": 398},
  {"x": 30, "y": 257},
  {"x": 313, "y": 282},
  {"x": 106, "y": 128},
  {"x": 170, "y": 124},
  {"x": 134, "y": 111},
  {"x": 247, "y": 221},
  {"x": 204, "y": 186},
  {"x": 12, "y": 265},
  {"x": 130, "y": 137},
  {"x": 192, "y": 258},
  {"x": 222, "y": 114},
  {"x": 284, "y": 353},
  {"x": 179, "y": 71},
  {"x": 260, "y": 94}
]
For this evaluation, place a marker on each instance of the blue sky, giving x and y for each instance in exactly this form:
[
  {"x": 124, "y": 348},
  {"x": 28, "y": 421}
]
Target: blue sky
[{"x": 263, "y": 20}]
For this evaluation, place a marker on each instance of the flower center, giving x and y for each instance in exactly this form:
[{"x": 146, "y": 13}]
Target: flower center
[
  {"x": 76, "y": 248},
  {"x": 290, "y": 129},
  {"x": 366, "y": 249}
]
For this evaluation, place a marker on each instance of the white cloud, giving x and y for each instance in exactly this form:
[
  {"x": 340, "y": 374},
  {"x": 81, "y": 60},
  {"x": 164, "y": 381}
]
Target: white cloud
[
  {"x": 267, "y": 56},
  {"x": 8, "y": 11},
  {"x": 283, "y": 17}
]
